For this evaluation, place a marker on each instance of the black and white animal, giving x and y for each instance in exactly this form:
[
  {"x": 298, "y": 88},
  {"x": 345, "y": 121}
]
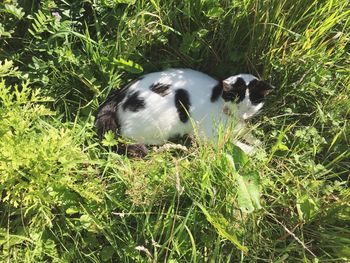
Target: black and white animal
[{"x": 160, "y": 106}]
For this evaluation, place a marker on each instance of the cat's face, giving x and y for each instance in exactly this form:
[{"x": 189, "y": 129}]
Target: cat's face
[{"x": 245, "y": 94}]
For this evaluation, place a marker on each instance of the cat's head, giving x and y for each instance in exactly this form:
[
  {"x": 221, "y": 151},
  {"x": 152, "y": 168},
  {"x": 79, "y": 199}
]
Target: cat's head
[{"x": 245, "y": 94}]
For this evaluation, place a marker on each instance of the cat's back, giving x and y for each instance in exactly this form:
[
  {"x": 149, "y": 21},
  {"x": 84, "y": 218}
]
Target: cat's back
[
  {"x": 188, "y": 79},
  {"x": 159, "y": 105}
]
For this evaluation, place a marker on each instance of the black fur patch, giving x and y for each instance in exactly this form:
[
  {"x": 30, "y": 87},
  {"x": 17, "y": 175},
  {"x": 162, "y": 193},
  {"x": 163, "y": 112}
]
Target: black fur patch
[
  {"x": 134, "y": 102},
  {"x": 237, "y": 91},
  {"x": 160, "y": 88},
  {"x": 258, "y": 89},
  {"x": 132, "y": 150},
  {"x": 182, "y": 104},
  {"x": 118, "y": 95},
  {"x": 216, "y": 92}
]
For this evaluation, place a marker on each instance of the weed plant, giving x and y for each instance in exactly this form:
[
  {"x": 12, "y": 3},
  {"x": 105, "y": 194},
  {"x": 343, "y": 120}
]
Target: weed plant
[{"x": 66, "y": 197}]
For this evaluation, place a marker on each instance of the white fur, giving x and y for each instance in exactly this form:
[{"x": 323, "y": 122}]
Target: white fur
[
  {"x": 246, "y": 77},
  {"x": 159, "y": 120}
]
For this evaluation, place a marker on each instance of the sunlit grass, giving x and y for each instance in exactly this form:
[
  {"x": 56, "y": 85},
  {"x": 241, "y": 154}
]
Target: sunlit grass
[{"x": 65, "y": 198}]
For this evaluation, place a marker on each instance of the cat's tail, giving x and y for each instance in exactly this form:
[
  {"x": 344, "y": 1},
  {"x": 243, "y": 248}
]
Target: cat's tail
[{"x": 106, "y": 118}]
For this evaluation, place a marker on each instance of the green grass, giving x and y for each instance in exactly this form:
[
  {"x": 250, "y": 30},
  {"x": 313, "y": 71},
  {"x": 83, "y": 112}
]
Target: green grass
[{"x": 66, "y": 198}]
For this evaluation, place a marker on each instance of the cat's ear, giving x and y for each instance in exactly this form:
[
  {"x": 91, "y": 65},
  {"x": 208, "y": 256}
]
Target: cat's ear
[{"x": 226, "y": 86}]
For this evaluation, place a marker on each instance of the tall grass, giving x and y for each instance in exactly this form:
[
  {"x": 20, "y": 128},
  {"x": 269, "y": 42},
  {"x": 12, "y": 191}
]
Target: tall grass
[{"x": 65, "y": 198}]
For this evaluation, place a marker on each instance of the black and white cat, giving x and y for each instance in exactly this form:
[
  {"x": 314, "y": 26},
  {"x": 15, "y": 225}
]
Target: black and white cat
[{"x": 160, "y": 106}]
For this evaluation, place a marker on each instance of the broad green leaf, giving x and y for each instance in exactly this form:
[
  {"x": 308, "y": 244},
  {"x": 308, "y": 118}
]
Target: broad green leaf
[
  {"x": 222, "y": 227},
  {"x": 5, "y": 33},
  {"x": 107, "y": 253},
  {"x": 87, "y": 222},
  {"x": 7, "y": 69},
  {"x": 14, "y": 10},
  {"x": 241, "y": 159},
  {"x": 237, "y": 158},
  {"x": 307, "y": 208},
  {"x": 72, "y": 210},
  {"x": 128, "y": 65},
  {"x": 203, "y": 32},
  {"x": 215, "y": 12},
  {"x": 248, "y": 192},
  {"x": 280, "y": 147},
  {"x": 109, "y": 139}
]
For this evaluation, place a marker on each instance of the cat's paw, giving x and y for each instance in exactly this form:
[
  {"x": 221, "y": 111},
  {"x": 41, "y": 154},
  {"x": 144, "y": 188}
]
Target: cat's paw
[{"x": 136, "y": 151}]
